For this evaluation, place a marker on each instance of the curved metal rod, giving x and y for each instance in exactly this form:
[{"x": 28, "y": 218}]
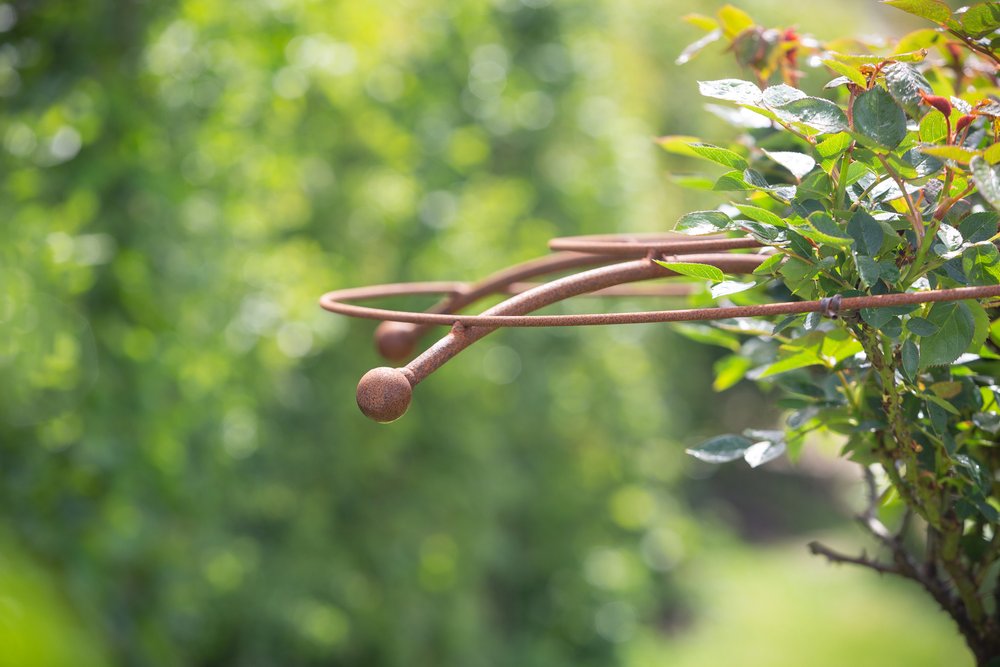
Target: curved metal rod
[
  {"x": 334, "y": 301},
  {"x": 638, "y": 245},
  {"x": 395, "y": 339}
]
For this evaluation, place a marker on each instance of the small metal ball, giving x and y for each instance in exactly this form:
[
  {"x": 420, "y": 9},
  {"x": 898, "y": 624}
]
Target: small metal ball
[
  {"x": 394, "y": 340},
  {"x": 384, "y": 394}
]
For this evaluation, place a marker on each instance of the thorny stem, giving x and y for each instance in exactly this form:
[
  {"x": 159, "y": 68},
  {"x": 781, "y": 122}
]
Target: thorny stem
[
  {"x": 916, "y": 221},
  {"x": 981, "y": 50}
]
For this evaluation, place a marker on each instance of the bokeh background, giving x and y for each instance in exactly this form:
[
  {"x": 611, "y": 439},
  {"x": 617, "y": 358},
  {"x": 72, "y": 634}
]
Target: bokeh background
[{"x": 184, "y": 476}]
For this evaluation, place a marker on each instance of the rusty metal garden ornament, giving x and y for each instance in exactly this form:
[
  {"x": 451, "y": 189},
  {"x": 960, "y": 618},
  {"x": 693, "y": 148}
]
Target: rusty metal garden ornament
[{"x": 384, "y": 393}]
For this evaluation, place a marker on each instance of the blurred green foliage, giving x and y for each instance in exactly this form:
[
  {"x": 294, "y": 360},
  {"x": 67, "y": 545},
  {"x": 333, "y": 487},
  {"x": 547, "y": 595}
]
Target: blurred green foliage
[{"x": 179, "y": 445}]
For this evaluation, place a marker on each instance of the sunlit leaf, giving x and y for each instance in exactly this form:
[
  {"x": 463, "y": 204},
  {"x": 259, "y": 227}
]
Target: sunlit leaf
[
  {"x": 721, "y": 449},
  {"x": 987, "y": 179},
  {"x": 733, "y": 90},
  {"x": 703, "y": 222},
  {"x": 982, "y": 19},
  {"x": 728, "y": 287},
  {"x": 799, "y": 164},
  {"x": 694, "y": 270},
  {"x": 933, "y": 10}
]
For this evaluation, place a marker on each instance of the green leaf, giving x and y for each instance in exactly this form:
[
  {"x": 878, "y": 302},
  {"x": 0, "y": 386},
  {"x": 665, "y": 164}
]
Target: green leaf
[
  {"x": 956, "y": 327},
  {"x": 781, "y": 94},
  {"x": 992, "y": 154},
  {"x": 731, "y": 181},
  {"x": 920, "y": 164},
  {"x": 721, "y": 449},
  {"x": 866, "y": 232},
  {"x": 905, "y": 83},
  {"x": 821, "y": 115},
  {"x": 933, "y": 10},
  {"x": 734, "y": 20},
  {"x": 793, "y": 362},
  {"x": 760, "y": 215},
  {"x": 849, "y": 71},
  {"x": 869, "y": 270},
  {"x": 879, "y": 118},
  {"x": 982, "y": 19},
  {"x": 879, "y": 317},
  {"x": 834, "y": 145},
  {"x": 678, "y": 144},
  {"x": 980, "y": 264},
  {"x": 769, "y": 265},
  {"x": 979, "y": 226},
  {"x": 730, "y": 370},
  {"x": 733, "y": 90},
  {"x": 719, "y": 155},
  {"x": 920, "y": 326},
  {"x": 959, "y": 154},
  {"x": 694, "y": 270},
  {"x": 824, "y": 230},
  {"x": 727, "y": 287},
  {"x": 950, "y": 237},
  {"x": 933, "y": 128},
  {"x": 982, "y": 325},
  {"x": 703, "y": 222},
  {"x": 859, "y": 59},
  {"x": 911, "y": 359},
  {"x": 987, "y": 180},
  {"x": 799, "y": 164}
]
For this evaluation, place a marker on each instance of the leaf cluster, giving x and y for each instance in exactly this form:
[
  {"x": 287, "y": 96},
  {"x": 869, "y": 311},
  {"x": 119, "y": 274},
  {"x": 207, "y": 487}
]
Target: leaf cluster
[{"x": 887, "y": 180}]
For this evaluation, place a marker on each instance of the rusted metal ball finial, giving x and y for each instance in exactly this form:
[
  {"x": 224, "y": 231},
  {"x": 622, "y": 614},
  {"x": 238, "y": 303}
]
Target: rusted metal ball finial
[
  {"x": 395, "y": 340},
  {"x": 384, "y": 394}
]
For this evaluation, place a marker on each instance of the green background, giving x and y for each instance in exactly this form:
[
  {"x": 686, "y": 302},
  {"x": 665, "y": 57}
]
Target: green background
[{"x": 184, "y": 476}]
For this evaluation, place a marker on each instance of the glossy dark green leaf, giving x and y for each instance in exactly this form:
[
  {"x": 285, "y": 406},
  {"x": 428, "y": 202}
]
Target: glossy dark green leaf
[
  {"x": 905, "y": 83},
  {"x": 922, "y": 327},
  {"x": 817, "y": 113},
  {"x": 956, "y": 327},
  {"x": 980, "y": 226},
  {"x": 868, "y": 269},
  {"x": 866, "y": 232},
  {"x": 879, "y": 118}
]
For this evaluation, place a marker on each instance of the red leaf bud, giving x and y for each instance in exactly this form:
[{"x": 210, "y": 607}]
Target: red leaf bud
[{"x": 942, "y": 104}]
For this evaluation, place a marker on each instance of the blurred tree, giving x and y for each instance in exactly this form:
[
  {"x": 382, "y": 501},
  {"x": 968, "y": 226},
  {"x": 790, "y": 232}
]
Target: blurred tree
[{"x": 179, "y": 444}]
